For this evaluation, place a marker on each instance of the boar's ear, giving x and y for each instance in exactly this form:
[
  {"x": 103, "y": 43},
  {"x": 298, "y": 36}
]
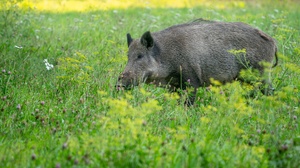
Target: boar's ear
[
  {"x": 129, "y": 39},
  {"x": 147, "y": 40}
]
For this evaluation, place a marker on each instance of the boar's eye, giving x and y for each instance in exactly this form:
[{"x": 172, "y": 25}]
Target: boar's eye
[{"x": 140, "y": 56}]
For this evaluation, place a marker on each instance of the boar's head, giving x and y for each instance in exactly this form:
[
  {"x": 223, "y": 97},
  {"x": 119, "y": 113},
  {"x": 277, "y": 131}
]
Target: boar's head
[{"x": 143, "y": 62}]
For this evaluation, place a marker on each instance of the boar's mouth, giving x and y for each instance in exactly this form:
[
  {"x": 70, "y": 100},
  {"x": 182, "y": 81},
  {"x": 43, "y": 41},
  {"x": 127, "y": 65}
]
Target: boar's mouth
[
  {"x": 122, "y": 86},
  {"x": 147, "y": 77},
  {"x": 129, "y": 84},
  {"x": 125, "y": 83}
]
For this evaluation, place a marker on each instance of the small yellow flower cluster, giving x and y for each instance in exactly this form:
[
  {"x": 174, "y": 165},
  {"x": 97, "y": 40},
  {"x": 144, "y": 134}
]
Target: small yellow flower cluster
[{"x": 73, "y": 69}]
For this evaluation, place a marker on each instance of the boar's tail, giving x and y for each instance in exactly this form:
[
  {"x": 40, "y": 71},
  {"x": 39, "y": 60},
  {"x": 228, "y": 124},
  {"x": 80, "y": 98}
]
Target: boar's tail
[{"x": 276, "y": 58}]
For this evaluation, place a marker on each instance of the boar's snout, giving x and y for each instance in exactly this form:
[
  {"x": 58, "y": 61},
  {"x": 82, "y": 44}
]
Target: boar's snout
[{"x": 125, "y": 81}]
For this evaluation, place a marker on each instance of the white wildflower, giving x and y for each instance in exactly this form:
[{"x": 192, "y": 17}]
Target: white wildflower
[
  {"x": 48, "y": 65},
  {"x": 18, "y": 47}
]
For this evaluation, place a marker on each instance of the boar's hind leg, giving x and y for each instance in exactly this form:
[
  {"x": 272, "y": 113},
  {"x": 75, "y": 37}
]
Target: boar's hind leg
[{"x": 266, "y": 87}]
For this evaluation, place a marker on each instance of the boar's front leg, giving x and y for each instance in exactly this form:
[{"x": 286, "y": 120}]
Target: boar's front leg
[{"x": 191, "y": 98}]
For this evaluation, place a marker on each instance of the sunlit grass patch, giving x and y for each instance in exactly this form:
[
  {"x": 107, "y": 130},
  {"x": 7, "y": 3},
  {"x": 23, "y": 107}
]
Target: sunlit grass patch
[{"x": 88, "y": 5}]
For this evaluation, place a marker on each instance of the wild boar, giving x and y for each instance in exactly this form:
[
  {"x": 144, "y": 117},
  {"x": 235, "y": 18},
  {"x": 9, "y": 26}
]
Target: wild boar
[{"x": 194, "y": 53}]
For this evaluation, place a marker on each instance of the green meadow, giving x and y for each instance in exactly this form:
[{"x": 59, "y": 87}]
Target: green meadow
[{"x": 59, "y": 106}]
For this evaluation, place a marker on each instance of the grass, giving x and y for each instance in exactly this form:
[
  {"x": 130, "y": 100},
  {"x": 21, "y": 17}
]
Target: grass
[{"x": 71, "y": 115}]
